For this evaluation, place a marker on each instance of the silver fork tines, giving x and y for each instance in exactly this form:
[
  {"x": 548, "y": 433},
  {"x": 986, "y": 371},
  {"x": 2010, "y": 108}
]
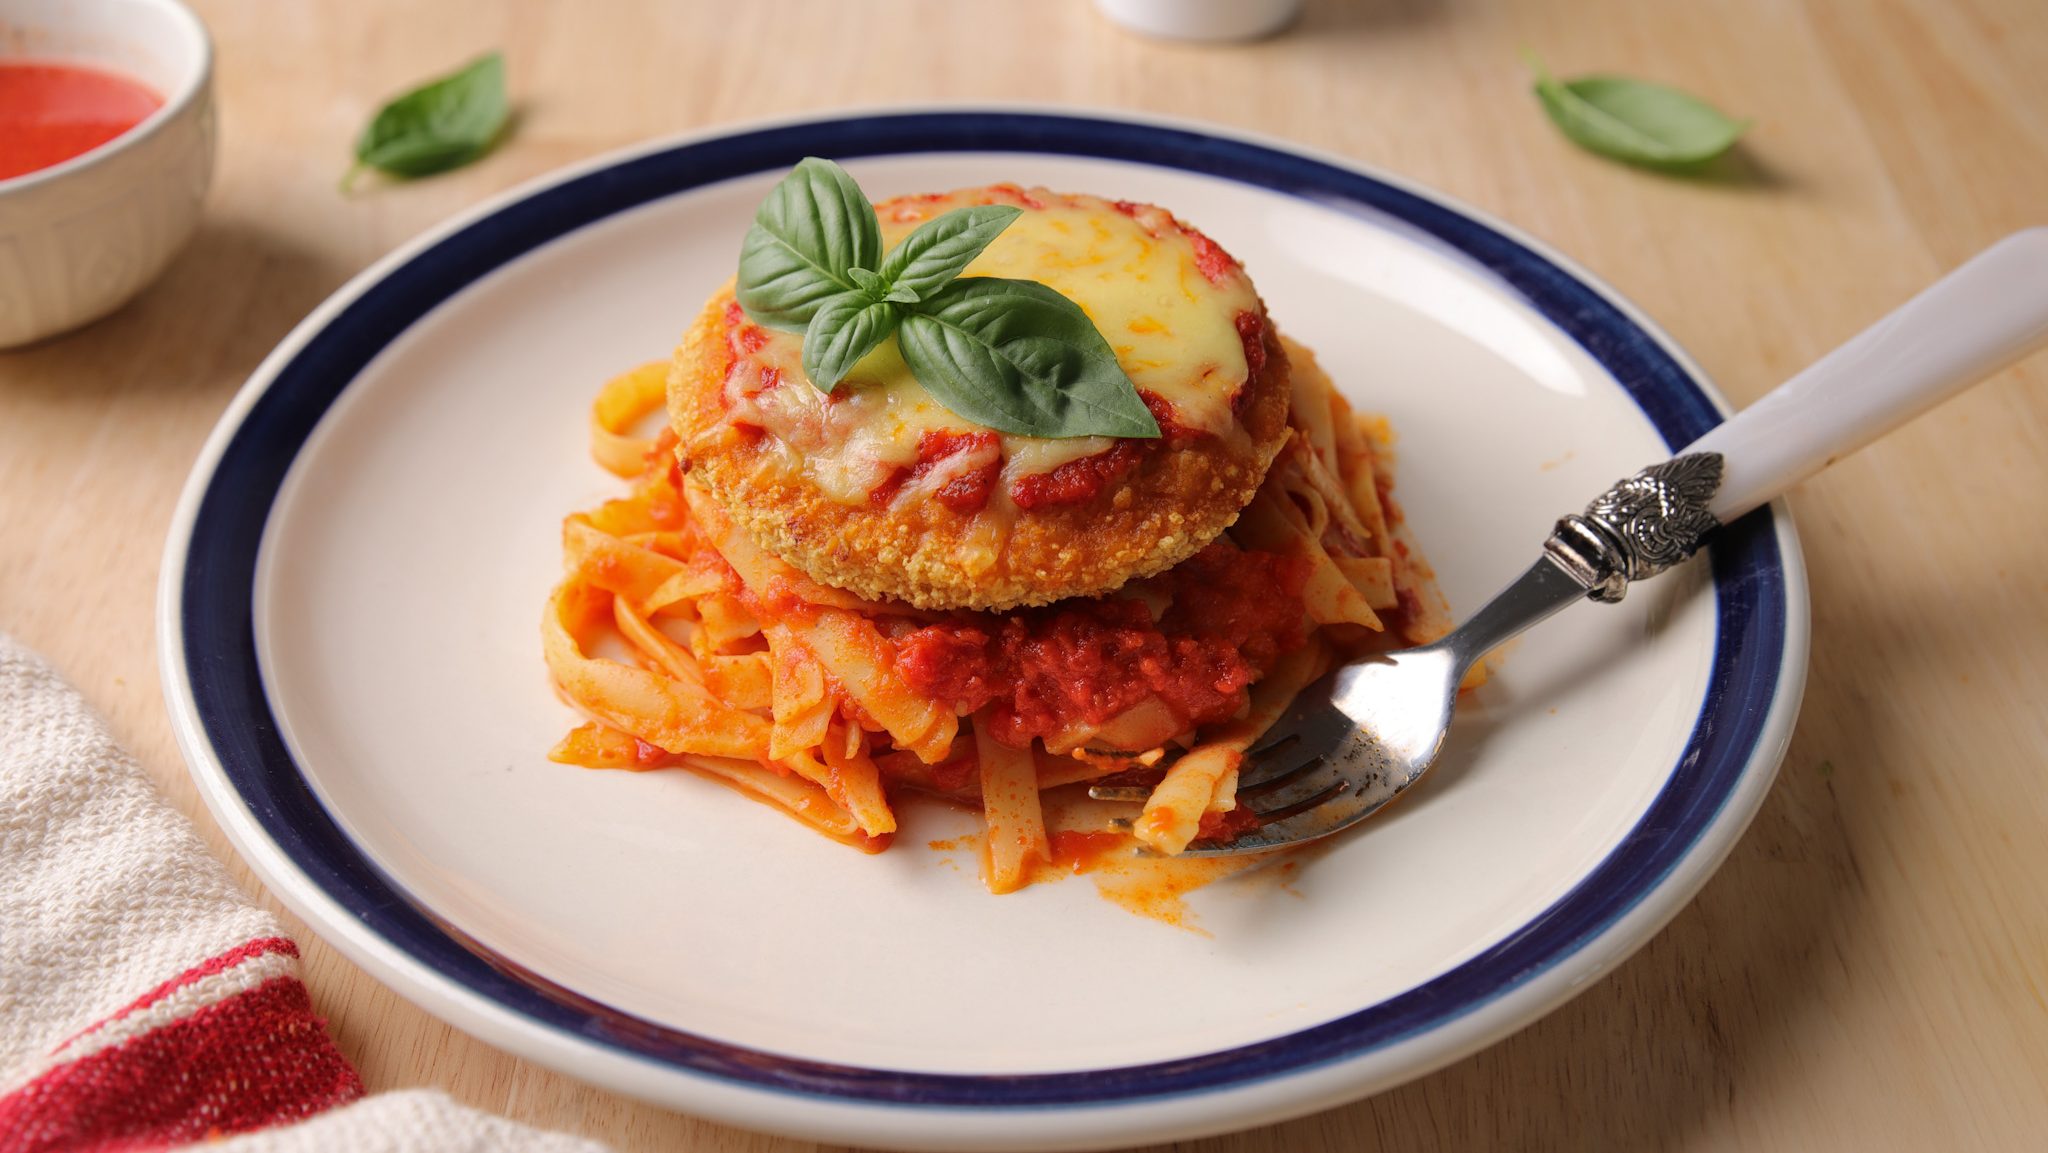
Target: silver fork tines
[{"x": 1354, "y": 739}]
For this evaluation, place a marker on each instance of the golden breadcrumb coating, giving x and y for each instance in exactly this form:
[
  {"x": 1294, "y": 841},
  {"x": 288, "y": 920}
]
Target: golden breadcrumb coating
[{"x": 1181, "y": 495}]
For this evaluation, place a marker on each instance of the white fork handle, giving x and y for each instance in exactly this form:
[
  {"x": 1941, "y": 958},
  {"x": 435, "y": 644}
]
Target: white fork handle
[{"x": 1971, "y": 323}]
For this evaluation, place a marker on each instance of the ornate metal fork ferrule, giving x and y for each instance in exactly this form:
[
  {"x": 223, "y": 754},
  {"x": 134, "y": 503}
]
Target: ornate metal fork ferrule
[{"x": 1643, "y": 525}]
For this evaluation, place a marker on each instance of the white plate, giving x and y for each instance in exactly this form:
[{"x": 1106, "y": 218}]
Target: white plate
[{"x": 349, "y": 628}]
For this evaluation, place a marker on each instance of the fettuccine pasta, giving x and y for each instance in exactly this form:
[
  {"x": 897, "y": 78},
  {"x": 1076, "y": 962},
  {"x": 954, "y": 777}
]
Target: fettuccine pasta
[{"x": 686, "y": 645}]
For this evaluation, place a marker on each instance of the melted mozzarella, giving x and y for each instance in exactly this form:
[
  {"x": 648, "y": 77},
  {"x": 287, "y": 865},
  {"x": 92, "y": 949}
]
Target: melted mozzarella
[{"x": 1139, "y": 278}]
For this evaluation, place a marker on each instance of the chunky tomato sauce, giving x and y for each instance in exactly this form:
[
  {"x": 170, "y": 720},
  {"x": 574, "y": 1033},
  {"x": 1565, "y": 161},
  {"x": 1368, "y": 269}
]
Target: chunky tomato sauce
[
  {"x": 1077, "y": 481},
  {"x": 1171, "y": 430},
  {"x": 1251, "y": 329},
  {"x": 1080, "y": 481},
  {"x": 1231, "y": 614},
  {"x": 745, "y": 335},
  {"x": 967, "y": 491},
  {"x": 1226, "y": 827},
  {"x": 1210, "y": 258},
  {"x": 50, "y": 113},
  {"x": 1014, "y": 194}
]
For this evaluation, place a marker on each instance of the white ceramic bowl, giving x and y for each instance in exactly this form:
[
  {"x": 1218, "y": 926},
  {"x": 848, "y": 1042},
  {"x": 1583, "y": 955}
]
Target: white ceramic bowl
[{"x": 78, "y": 239}]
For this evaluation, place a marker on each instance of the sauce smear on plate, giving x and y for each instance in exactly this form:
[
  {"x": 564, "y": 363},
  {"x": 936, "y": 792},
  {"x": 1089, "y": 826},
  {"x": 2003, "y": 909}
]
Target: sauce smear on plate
[{"x": 52, "y": 112}]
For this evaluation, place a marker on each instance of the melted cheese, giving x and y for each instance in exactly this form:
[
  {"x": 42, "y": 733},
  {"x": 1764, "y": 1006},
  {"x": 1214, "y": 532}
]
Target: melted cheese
[{"x": 1138, "y": 276}]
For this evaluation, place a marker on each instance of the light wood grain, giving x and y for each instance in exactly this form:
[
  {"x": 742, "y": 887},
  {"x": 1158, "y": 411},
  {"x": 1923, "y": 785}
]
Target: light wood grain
[{"x": 1867, "y": 970}]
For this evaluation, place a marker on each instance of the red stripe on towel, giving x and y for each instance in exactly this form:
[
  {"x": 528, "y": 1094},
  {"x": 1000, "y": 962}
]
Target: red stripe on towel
[
  {"x": 228, "y": 960},
  {"x": 256, "y": 1059}
]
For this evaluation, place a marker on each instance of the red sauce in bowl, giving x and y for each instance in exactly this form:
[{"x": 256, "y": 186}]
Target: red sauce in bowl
[{"x": 52, "y": 112}]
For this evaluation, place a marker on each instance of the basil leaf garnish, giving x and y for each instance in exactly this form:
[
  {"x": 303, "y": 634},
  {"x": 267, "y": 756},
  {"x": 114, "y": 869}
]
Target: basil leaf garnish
[
  {"x": 443, "y": 124},
  {"x": 812, "y": 229},
  {"x": 1020, "y": 358},
  {"x": 1013, "y": 355},
  {"x": 1637, "y": 121},
  {"x": 937, "y": 252},
  {"x": 844, "y": 329}
]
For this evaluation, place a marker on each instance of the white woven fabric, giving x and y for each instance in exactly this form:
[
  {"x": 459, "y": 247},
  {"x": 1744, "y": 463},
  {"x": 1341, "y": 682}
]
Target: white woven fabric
[
  {"x": 411, "y": 1121},
  {"x": 106, "y": 893}
]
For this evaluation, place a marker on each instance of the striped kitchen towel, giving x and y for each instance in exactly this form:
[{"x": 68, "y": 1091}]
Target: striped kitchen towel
[{"x": 145, "y": 1003}]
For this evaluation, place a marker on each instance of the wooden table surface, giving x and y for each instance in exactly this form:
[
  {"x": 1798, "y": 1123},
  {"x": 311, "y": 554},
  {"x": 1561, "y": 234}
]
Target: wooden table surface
[{"x": 1868, "y": 969}]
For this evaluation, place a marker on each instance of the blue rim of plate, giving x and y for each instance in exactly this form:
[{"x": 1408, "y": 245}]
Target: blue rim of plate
[{"x": 218, "y": 583}]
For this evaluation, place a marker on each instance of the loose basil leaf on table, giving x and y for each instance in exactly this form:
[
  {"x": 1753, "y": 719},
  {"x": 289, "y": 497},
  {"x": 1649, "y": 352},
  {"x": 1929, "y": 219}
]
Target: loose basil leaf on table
[
  {"x": 1637, "y": 121},
  {"x": 814, "y": 227},
  {"x": 440, "y": 125},
  {"x": 940, "y": 249},
  {"x": 1020, "y": 358},
  {"x": 844, "y": 329}
]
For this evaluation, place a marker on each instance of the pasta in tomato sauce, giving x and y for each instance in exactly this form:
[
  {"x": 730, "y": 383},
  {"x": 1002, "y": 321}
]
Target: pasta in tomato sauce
[{"x": 834, "y": 707}]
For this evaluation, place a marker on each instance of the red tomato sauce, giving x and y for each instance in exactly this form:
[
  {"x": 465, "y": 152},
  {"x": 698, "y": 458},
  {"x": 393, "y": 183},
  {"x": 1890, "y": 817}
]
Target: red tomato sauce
[
  {"x": 1016, "y": 194},
  {"x": 1171, "y": 430},
  {"x": 665, "y": 504},
  {"x": 1077, "y": 481},
  {"x": 744, "y": 338},
  {"x": 1210, "y": 257},
  {"x": 1085, "y": 852},
  {"x": 1251, "y": 330},
  {"x": 51, "y": 112},
  {"x": 1080, "y": 481},
  {"x": 650, "y": 756},
  {"x": 1226, "y": 827},
  {"x": 1232, "y": 614},
  {"x": 967, "y": 492},
  {"x": 776, "y": 602}
]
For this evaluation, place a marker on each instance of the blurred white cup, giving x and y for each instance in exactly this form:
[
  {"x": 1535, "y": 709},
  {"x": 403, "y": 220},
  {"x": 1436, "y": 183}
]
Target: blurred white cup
[{"x": 1202, "y": 19}]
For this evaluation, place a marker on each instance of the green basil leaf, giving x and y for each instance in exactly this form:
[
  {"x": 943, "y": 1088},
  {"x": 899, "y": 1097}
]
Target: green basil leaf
[
  {"x": 1637, "y": 121},
  {"x": 1020, "y": 358},
  {"x": 440, "y": 125},
  {"x": 812, "y": 229},
  {"x": 844, "y": 329},
  {"x": 940, "y": 248},
  {"x": 868, "y": 282}
]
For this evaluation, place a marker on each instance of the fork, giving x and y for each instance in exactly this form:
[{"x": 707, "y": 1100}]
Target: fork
[{"x": 1356, "y": 739}]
